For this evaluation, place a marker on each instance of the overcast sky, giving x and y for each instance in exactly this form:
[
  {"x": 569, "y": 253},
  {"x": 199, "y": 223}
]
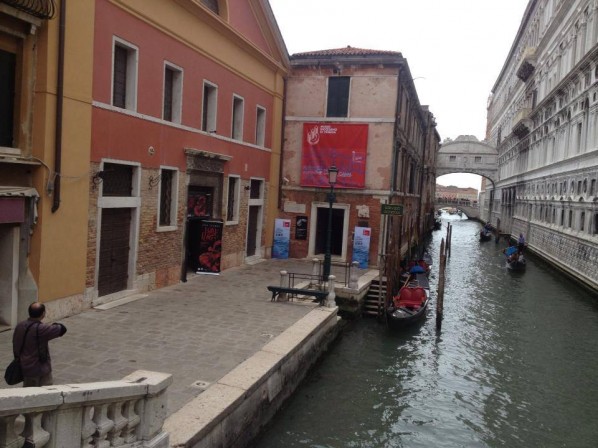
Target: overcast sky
[{"x": 455, "y": 47}]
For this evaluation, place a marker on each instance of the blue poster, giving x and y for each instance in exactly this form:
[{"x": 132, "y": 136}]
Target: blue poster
[
  {"x": 282, "y": 238},
  {"x": 361, "y": 246}
]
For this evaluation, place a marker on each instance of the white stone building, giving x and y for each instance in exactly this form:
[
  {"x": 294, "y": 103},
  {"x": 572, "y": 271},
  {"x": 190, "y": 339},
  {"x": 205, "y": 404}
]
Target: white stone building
[{"x": 543, "y": 119}]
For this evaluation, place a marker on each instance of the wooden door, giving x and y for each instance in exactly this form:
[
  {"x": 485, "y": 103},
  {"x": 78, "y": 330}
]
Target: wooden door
[{"x": 114, "y": 250}]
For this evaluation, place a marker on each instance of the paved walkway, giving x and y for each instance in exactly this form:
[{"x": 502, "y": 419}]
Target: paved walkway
[{"x": 198, "y": 331}]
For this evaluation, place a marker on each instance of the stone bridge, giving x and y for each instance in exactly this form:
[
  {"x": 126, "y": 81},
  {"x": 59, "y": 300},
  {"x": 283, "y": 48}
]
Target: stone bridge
[
  {"x": 470, "y": 212},
  {"x": 466, "y": 154}
]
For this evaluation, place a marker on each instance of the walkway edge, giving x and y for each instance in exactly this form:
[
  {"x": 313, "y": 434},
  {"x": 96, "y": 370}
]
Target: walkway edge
[{"x": 232, "y": 411}]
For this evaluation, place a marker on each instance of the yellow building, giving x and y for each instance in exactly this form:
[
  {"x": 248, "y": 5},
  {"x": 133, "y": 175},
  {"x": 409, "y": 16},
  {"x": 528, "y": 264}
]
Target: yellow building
[{"x": 45, "y": 110}]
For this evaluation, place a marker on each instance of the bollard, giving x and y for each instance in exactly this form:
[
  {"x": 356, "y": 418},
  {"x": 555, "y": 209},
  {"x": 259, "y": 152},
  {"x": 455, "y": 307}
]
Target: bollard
[
  {"x": 330, "y": 302},
  {"x": 315, "y": 269},
  {"x": 354, "y": 276},
  {"x": 284, "y": 283}
]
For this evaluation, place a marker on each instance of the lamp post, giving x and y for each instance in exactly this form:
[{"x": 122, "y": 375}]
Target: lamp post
[{"x": 332, "y": 175}]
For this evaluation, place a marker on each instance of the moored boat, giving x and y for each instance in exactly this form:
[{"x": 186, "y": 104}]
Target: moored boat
[{"x": 407, "y": 307}]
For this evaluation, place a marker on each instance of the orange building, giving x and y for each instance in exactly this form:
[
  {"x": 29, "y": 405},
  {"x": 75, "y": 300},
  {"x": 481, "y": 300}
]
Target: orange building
[
  {"x": 125, "y": 123},
  {"x": 187, "y": 113}
]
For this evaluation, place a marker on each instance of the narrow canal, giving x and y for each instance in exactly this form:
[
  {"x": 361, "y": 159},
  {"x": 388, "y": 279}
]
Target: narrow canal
[{"x": 515, "y": 365}]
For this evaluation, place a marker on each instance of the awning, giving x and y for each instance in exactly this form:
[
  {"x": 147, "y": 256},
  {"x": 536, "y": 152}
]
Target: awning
[{"x": 18, "y": 191}]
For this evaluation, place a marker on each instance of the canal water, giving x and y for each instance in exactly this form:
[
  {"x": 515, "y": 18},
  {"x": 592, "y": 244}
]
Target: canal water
[{"x": 515, "y": 365}]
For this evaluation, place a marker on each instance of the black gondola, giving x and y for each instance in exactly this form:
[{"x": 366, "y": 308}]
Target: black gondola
[
  {"x": 485, "y": 235},
  {"x": 515, "y": 259},
  {"x": 407, "y": 307}
]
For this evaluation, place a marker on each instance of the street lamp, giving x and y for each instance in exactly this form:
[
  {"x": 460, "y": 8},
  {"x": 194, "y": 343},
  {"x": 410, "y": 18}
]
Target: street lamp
[{"x": 332, "y": 175}]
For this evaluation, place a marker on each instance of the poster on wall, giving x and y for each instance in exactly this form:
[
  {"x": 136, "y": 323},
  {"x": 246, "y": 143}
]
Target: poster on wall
[
  {"x": 210, "y": 247},
  {"x": 282, "y": 238},
  {"x": 341, "y": 144},
  {"x": 361, "y": 246},
  {"x": 301, "y": 228}
]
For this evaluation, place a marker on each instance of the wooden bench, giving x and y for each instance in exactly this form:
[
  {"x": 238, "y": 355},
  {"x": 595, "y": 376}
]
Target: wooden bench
[{"x": 277, "y": 290}]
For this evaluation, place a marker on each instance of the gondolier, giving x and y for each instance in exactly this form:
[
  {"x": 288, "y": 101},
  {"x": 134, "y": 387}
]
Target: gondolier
[{"x": 521, "y": 243}]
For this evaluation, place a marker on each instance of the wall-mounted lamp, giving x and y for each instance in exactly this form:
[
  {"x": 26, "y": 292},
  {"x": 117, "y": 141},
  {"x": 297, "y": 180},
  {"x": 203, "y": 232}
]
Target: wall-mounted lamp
[
  {"x": 247, "y": 187},
  {"x": 97, "y": 178},
  {"x": 154, "y": 180}
]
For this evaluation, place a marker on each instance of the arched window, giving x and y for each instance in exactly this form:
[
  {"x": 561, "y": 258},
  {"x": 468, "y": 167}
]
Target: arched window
[{"x": 212, "y": 5}]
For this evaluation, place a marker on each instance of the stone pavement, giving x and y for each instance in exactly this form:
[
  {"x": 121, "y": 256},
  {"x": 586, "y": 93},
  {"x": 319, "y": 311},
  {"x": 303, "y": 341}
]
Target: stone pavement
[{"x": 198, "y": 331}]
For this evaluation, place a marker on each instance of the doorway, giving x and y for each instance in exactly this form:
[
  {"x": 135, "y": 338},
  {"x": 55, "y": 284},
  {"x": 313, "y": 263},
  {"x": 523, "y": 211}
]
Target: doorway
[
  {"x": 336, "y": 240},
  {"x": 254, "y": 220},
  {"x": 115, "y": 234},
  {"x": 9, "y": 263},
  {"x": 319, "y": 225}
]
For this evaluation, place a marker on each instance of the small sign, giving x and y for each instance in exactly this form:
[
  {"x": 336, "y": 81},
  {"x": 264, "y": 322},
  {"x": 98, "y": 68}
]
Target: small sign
[
  {"x": 361, "y": 246},
  {"x": 392, "y": 209},
  {"x": 282, "y": 237},
  {"x": 301, "y": 228}
]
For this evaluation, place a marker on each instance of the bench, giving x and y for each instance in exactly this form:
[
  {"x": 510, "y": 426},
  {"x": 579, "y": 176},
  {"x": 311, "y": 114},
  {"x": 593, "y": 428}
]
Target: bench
[{"x": 277, "y": 290}]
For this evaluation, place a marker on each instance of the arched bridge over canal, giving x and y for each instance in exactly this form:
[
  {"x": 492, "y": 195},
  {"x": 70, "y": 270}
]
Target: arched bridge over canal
[
  {"x": 468, "y": 210},
  {"x": 466, "y": 154}
]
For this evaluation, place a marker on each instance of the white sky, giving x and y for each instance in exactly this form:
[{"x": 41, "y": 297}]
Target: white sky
[{"x": 457, "y": 47}]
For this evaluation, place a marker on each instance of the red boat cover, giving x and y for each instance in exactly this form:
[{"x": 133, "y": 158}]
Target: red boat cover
[{"x": 410, "y": 297}]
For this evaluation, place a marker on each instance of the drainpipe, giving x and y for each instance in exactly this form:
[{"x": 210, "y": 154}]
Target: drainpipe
[
  {"x": 421, "y": 180},
  {"x": 282, "y": 129},
  {"x": 59, "y": 107}
]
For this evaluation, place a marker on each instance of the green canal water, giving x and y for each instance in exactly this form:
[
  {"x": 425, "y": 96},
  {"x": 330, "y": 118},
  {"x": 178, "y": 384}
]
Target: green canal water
[{"x": 515, "y": 365}]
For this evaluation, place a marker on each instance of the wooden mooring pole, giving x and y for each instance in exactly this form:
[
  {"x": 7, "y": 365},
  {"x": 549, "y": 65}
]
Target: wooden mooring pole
[{"x": 440, "y": 293}]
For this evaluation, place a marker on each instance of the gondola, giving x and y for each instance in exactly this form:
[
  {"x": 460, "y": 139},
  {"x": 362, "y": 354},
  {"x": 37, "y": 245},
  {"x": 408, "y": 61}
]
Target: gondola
[
  {"x": 437, "y": 224},
  {"x": 515, "y": 259},
  {"x": 485, "y": 235},
  {"x": 407, "y": 307}
]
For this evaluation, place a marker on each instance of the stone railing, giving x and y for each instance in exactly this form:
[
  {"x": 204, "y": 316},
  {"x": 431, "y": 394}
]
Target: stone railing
[{"x": 125, "y": 413}]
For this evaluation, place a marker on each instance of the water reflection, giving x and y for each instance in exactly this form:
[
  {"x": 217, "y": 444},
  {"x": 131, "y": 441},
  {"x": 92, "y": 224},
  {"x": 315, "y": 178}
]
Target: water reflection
[{"x": 513, "y": 366}]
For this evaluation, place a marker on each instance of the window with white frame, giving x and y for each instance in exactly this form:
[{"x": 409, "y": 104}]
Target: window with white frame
[
  {"x": 167, "y": 205},
  {"x": 173, "y": 93},
  {"x": 124, "y": 75},
  {"x": 210, "y": 102},
  {"x": 232, "y": 202},
  {"x": 260, "y": 126},
  {"x": 238, "y": 107}
]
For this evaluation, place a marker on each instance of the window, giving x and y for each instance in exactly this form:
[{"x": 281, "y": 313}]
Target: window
[
  {"x": 117, "y": 180},
  {"x": 570, "y": 218},
  {"x": 452, "y": 158},
  {"x": 592, "y": 186},
  {"x": 8, "y": 64},
  {"x": 168, "y": 197},
  {"x": 595, "y": 223},
  {"x": 563, "y": 218},
  {"x": 210, "y": 97},
  {"x": 237, "y": 131},
  {"x": 173, "y": 93},
  {"x": 232, "y": 203},
  {"x": 212, "y": 5},
  {"x": 124, "y": 76},
  {"x": 582, "y": 220},
  {"x": 478, "y": 159},
  {"x": 255, "y": 190},
  {"x": 260, "y": 126},
  {"x": 338, "y": 96}
]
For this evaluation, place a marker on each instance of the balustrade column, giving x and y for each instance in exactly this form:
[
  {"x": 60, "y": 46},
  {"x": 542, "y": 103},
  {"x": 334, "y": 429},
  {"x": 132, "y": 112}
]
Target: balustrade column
[
  {"x": 9, "y": 438},
  {"x": 33, "y": 432},
  {"x": 103, "y": 426}
]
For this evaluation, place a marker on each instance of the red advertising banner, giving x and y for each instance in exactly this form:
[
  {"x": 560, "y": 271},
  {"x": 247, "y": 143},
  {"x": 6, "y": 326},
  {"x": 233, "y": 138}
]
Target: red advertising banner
[{"x": 343, "y": 145}]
